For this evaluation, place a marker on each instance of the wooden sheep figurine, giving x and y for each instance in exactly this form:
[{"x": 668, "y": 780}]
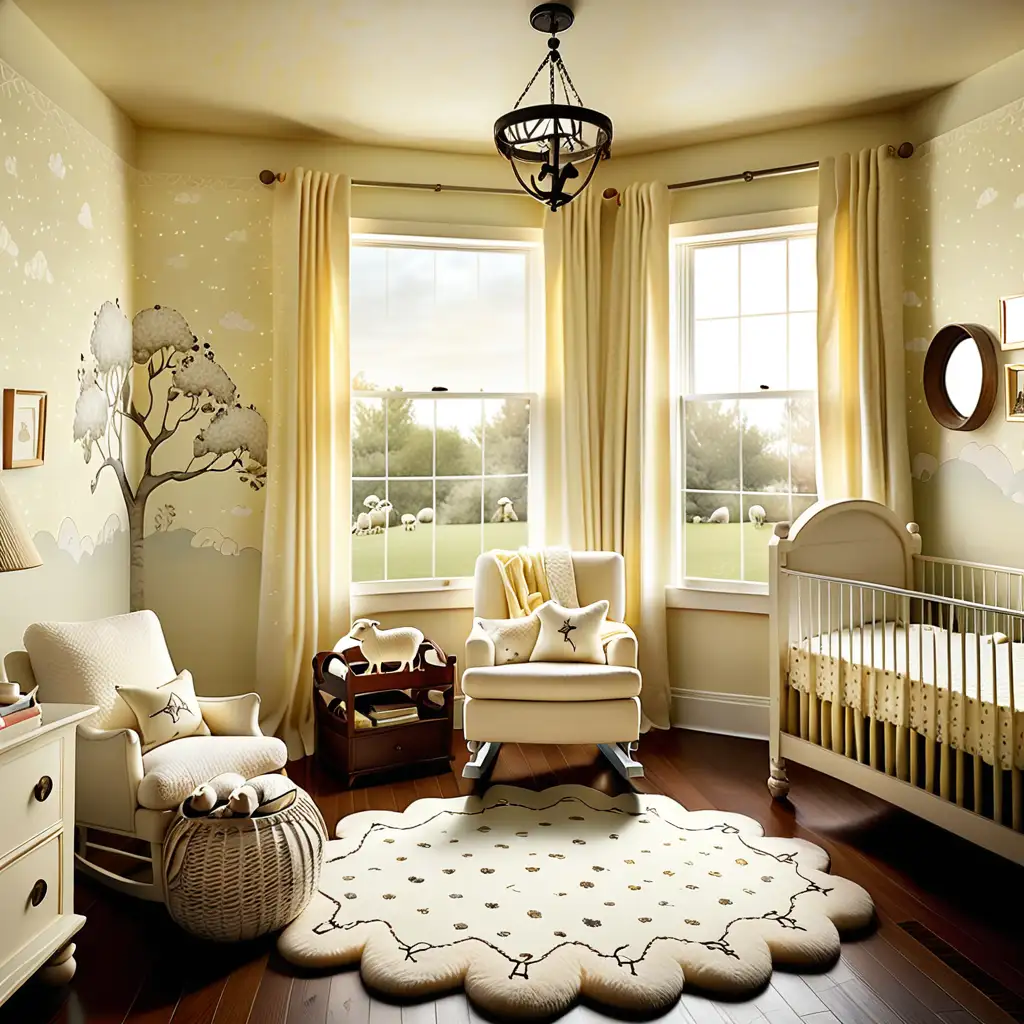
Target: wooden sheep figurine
[
  {"x": 505, "y": 513},
  {"x": 380, "y": 645},
  {"x": 757, "y": 515},
  {"x": 408, "y": 522},
  {"x": 720, "y": 515}
]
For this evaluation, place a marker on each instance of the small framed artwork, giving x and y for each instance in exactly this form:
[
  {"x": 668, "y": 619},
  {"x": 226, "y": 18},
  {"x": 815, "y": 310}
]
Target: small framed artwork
[
  {"x": 1015, "y": 392},
  {"x": 1011, "y": 322},
  {"x": 24, "y": 428}
]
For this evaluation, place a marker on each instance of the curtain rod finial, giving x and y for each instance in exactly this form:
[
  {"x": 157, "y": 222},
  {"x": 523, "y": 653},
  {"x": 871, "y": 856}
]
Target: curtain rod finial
[
  {"x": 269, "y": 177},
  {"x": 905, "y": 150}
]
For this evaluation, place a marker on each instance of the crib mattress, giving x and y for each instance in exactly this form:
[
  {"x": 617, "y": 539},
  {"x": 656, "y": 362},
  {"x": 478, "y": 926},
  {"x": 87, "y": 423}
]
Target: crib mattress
[{"x": 953, "y": 688}]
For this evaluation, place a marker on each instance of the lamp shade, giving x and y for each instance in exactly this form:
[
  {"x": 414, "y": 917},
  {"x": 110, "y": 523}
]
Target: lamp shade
[{"x": 17, "y": 551}]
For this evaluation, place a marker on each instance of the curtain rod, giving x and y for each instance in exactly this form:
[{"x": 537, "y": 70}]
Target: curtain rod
[{"x": 903, "y": 151}]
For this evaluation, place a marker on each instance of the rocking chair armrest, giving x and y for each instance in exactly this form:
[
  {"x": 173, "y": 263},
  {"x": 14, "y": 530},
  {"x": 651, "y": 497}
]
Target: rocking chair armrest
[
  {"x": 238, "y": 715},
  {"x": 621, "y": 650},
  {"x": 479, "y": 648},
  {"x": 108, "y": 772}
]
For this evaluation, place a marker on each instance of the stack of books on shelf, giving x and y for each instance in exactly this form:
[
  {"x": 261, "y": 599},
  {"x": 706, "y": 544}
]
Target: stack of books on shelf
[
  {"x": 390, "y": 713},
  {"x": 18, "y": 715}
]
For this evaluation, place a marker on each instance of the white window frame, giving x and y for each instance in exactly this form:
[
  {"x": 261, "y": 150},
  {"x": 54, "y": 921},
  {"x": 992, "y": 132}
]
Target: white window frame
[
  {"x": 457, "y": 592},
  {"x": 690, "y": 591}
]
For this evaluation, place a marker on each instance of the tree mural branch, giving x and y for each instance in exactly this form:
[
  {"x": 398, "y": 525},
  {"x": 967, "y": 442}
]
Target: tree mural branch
[{"x": 160, "y": 340}]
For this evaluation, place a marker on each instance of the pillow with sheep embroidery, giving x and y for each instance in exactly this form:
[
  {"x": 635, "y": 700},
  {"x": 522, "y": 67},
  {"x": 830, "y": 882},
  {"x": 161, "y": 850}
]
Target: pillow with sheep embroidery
[
  {"x": 165, "y": 713},
  {"x": 513, "y": 639},
  {"x": 570, "y": 634}
]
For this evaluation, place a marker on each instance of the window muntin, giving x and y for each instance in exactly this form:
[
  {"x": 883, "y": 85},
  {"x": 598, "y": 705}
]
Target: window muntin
[{"x": 746, "y": 324}]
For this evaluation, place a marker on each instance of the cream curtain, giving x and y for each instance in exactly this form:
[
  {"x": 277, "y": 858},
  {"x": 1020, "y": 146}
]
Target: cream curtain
[
  {"x": 607, "y": 407},
  {"x": 304, "y": 604},
  {"x": 862, "y": 420}
]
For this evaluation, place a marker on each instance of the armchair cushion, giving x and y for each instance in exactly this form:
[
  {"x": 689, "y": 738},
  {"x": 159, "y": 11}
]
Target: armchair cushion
[
  {"x": 540, "y": 681},
  {"x": 570, "y": 634},
  {"x": 167, "y": 712},
  {"x": 173, "y": 770},
  {"x": 513, "y": 639},
  {"x": 80, "y": 662},
  {"x": 232, "y": 716}
]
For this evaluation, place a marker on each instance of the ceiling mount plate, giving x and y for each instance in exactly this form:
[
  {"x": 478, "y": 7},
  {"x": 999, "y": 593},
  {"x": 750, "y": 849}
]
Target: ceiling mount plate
[{"x": 551, "y": 18}]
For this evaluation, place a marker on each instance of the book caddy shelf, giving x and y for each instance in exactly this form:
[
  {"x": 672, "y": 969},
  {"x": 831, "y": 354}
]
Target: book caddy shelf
[{"x": 352, "y": 752}]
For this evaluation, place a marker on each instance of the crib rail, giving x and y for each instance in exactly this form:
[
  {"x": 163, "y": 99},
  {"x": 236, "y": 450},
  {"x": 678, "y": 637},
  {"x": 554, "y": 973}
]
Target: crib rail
[{"x": 924, "y": 685}]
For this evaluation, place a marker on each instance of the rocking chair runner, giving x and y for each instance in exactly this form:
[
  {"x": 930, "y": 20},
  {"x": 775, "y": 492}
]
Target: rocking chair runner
[{"x": 553, "y": 702}]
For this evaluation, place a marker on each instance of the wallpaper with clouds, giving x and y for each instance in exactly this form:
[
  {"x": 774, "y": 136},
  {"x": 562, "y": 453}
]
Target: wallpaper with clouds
[
  {"x": 65, "y": 248},
  {"x": 963, "y": 250}
]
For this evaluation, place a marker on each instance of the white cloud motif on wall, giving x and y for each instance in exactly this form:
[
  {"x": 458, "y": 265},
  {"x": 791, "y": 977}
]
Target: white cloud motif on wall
[
  {"x": 991, "y": 461},
  {"x": 987, "y": 197},
  {"x": 7, "y": 244},
  {"x": 11, "y": 165},
  {"x": 188, "y": 197},
  {"x": 911, "y": 299},
  {"x": 1018, "y": 203},
  {"x": 56, "y": 165},
  {"x": 37, "y": 269},
  {"x": 917, "y": 345},
  {"x": 923, "y": 466},
  {"x": 208, "y": 537},
  {"x": 241, "y": 510},
  {"x": 241, "y": 235},
  {"x": 179, "y": 262},
  {"x": 85, "y": 216},
  {"x": 234, "y": 321}
]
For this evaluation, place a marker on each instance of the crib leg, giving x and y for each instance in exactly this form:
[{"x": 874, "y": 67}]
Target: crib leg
[{"x": 778, "y": 779}]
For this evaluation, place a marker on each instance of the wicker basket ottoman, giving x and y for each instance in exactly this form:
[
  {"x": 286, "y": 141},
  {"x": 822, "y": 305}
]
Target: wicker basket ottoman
[{"x": 231, "y": 879}]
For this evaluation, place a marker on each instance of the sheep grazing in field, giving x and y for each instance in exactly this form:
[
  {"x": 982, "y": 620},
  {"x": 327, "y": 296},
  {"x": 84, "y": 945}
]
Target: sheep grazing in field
[
  {"x": 380, "y": 516},
  {"x": 720, "y": 515},
  {"x": 696, "y": 519},
  {"x": 505, "y": 512},
  {"x": 362, "y": 524},
  {"x": 425, "y": 515},
  {"x": 757, "y": 515},
  {"x": 408, "y": 522},
  {"x": 371, "y": 501},
  {"x": 380, "y": 645}
]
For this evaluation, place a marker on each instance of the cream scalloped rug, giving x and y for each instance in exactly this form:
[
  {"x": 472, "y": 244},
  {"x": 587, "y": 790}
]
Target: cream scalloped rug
[{"x": 531, "y": 899}]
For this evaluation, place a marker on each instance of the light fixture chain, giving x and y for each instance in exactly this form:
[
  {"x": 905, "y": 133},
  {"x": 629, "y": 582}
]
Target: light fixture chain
[
  {"x": 529, "y": 84},
  {"x": 567, "y": 80}
]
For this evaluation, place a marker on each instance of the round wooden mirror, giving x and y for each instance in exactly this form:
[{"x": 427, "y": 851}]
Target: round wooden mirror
[{"x": 961, "y": 376}]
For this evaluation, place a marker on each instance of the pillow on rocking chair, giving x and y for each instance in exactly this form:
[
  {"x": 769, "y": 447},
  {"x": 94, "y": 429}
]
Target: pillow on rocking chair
[
  {"x": 165, "y": 713},
  {"x": 571, "y": 634}
]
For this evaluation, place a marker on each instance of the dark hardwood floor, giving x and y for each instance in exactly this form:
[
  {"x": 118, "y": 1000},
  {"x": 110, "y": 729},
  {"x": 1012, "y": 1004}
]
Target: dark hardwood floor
[{"x": 949, "y": 946}]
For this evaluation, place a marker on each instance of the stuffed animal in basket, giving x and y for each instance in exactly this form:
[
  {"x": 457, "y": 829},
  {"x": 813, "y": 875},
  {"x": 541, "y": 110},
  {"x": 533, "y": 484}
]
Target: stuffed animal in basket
[{"x": 380, "y": 645}]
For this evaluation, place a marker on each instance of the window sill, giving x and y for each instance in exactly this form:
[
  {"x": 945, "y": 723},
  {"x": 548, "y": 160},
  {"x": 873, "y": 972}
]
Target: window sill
[
  {"x": 370, "y": 599},
  {"x": 749, "y": 602}
]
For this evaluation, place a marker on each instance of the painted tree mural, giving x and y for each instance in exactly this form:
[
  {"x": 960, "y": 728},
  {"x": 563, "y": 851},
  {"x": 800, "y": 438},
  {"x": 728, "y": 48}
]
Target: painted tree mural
[{"x": 154, "y": 377}]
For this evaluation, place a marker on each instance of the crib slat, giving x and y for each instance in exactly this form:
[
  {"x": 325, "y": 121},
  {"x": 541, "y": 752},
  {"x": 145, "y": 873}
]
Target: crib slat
[
  {"x": 901, "y": 752},
  {"x": 959, "y": 778},
  {"x": 1015, "y": 794}
]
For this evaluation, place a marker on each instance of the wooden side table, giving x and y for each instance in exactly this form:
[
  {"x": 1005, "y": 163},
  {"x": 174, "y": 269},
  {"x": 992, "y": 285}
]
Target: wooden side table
[
  {"x": 352, "y": 752},
  {"x": 37, "y": 830}
]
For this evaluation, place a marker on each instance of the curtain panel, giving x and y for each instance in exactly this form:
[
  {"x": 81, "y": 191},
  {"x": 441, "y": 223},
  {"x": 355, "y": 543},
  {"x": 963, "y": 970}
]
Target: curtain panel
[
  {"x": 862, "y": 419},
  {"x": 608, "y": 405},
  {"x": 304, "y": 585}
]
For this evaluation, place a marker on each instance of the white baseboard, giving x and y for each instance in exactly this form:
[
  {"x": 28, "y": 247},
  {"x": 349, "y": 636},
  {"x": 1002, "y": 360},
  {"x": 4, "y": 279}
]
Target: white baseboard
[{"x": 732, "y": 714}]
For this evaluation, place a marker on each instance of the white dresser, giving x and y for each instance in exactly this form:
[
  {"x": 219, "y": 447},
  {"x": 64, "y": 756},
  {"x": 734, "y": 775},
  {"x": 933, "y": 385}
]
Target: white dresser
[{"x": 37, "y": 834}]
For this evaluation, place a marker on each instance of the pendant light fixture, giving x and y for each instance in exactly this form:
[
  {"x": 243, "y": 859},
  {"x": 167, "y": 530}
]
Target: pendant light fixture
[{"x": 557, "y": 144}]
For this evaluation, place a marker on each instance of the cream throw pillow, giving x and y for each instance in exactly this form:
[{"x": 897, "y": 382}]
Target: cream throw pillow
[
  {"x": 165, "y": 713},
  {"x": 571, "y": 634},
  {"x": 513, "y": 639}
]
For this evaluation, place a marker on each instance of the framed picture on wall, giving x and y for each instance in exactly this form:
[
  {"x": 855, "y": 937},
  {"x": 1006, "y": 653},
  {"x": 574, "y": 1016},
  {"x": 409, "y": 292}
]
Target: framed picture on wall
[
  {"x": 1015, "y": 392},
  {"x": 1011, "y": 322},
  {"x": 24, "y": 428}
]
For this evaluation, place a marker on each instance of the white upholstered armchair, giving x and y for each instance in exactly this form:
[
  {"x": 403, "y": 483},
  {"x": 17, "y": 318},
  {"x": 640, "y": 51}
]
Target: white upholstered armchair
[
  {"x": 120, "y": 789},
  {"x": 553, "y": 702}
]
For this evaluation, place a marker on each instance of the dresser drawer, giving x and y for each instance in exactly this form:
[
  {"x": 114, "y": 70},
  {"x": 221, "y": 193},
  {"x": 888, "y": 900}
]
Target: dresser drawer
[
  {"x": 30, "y": 792},
  {"x": 30, "y": 896},
  {"x": 390, "y": 746}
]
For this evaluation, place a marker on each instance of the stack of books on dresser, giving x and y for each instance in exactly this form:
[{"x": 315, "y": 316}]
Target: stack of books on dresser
[
  {"x": 18, "y": 715},
  {"x": 391, "y": 712}
]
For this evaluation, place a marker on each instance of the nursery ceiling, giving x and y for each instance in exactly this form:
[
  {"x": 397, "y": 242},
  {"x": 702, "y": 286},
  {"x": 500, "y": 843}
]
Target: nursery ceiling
[{"x": 436, "y": 73}]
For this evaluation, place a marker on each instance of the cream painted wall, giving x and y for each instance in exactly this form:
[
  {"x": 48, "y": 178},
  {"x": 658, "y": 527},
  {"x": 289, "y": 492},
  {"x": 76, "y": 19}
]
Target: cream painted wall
[{"x": 65, "y": 248}]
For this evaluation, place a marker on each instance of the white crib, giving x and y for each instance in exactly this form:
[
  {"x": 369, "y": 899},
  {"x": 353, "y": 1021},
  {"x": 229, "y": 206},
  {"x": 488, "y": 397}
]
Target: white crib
[{"x": 898, "y": 673}]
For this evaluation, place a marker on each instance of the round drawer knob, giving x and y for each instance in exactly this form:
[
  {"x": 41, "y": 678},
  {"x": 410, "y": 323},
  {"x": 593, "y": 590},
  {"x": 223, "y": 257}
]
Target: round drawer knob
[
  {"x": 398, "y": 747},
  {"x": 43, "y": 788},
  {"x": 38, "y": 893}
]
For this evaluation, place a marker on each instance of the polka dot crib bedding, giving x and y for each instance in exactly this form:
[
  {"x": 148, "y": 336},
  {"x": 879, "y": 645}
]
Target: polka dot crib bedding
[{"x": 951, "y": 687}]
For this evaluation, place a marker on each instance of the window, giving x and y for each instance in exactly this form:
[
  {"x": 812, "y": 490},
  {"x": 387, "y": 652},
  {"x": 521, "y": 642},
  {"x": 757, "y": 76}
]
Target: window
[
  {"x": 746, "y": 322},
  {"x": 440, "y": 475}
]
